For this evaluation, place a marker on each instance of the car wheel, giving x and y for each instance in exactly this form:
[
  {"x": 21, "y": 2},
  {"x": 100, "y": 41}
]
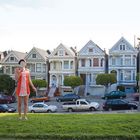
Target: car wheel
[
  {"x": 49, "y": 111},
  {"x": 92, "y": 109},
  {"x": 32, "y": 111},
  {"x": 110, "y": 109},
  {"x": 70, "y": 110}
]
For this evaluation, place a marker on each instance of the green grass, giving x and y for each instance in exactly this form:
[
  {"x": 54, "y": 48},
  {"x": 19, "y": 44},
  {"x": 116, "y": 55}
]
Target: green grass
[{"x": 71, "y": 126}]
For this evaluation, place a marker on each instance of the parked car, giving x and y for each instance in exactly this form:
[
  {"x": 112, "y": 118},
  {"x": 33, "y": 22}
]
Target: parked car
[
  {"x": 42, "y": 107},
  {"x": 6, "y": 99},
  {"x": 40, "y": 99},
  {"x": 67, "y": 97},
  {"x": 114, "y": 95},
  {"x": 6, "y": 108},
  {"x": 136, "y": 96},
  {"x": 79, "y": 105},
  {"x": 119, "y": 104}
]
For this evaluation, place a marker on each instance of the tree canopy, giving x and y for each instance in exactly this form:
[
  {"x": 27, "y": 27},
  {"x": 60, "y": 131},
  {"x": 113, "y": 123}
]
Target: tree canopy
[
  {"x": 73, "y": 81},
  {"x": 105, "y": 79},
  {"x": 7, "y": 84}
]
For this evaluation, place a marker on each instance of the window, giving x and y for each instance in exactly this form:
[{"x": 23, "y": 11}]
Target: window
[
  {"x": 61, "y": 53},
  {"x": 134, "y": 62},
  {"x": 134, "y": 76},
  {"x": 95, "y": 62},
  {"x": 121, "y": 75},
  {"x": 113, "y": 61},
  {"x": 83, "y": 103},
  {"x": 33, "y": 55},
  {"x": 83, "y": 62},
  {"x": 11, "y": 58},
  {"x": 38, "y": 67},
  {"x": 90, "y": 63},
  {"x": 71, "y": 64},
  {"x": 66, "y": 64},
  {"x": 127, "y": 75},
  {"x": 90, "y": 50},
  {"x": 127, "y": 60},
  {"x": 121, "y": 63},
  {"x": 44, "y": 67},
  {"x": 122, "y": 47},
  {"x": 102, "y": 60}
]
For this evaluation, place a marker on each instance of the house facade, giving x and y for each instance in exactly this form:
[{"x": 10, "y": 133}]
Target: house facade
[
  {"x": 91, "y": 61},
  {"x": 123, "y": 62},
  {"x": 37, "y": 63},
  {"x": 10, "y": 62},
  {"x": 62, "y": 63}
]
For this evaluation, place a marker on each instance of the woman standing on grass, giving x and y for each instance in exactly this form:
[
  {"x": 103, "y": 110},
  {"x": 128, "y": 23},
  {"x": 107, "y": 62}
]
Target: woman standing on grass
[{"x": 22, "y": 76}]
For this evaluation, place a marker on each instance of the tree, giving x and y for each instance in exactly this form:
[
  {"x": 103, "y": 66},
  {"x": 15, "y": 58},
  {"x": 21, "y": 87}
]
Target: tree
[
  {"x": 106, "y": 80},
  {"x": 73, "y": 81},
  {"x": 7, "y": 84},
  {"x": 138, "y": 81}
]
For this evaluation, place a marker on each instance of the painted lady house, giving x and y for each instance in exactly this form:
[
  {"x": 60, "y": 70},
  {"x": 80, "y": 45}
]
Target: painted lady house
[
  {"x": 91, "y": 61},
  {"x": 123, "y": 62}
]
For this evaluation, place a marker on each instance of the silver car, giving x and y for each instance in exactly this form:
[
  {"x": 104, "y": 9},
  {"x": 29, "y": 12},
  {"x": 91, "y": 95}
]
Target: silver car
[{"x": 42, "y": 107}]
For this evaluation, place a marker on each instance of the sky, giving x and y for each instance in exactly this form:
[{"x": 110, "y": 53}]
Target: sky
[{"x": 47, "y": 23}]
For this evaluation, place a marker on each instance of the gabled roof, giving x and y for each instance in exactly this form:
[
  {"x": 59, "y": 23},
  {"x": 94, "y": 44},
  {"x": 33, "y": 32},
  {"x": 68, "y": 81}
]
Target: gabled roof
[
  {"x": 41, "y": 52},
  {"x": 121, "y": 40},
  {"x": 62, "y": 47},
  {"x": 90, "y": 44},
  {"x": 17, "y": 54}
]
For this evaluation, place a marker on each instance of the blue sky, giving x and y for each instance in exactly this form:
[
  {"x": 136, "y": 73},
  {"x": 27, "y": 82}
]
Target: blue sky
[{"x": 47, "y": 23}]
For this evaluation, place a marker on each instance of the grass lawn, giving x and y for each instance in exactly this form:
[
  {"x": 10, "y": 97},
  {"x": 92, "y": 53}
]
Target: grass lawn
[{"x": 71, "y": 126}]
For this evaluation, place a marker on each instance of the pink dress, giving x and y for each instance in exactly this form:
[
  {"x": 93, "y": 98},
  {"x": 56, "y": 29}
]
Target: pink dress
[{"x": 23, "y": 89}]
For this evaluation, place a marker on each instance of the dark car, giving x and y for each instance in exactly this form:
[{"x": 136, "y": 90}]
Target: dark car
[
  {"x": 136, "y": 96},
  {"x": 114, "y": 95},
  {"x": 119, "y": 104},
  {"x": 68, "y": 97},
  {"x": 6, "y": 99},
  {"x": 6, "y": 108}
]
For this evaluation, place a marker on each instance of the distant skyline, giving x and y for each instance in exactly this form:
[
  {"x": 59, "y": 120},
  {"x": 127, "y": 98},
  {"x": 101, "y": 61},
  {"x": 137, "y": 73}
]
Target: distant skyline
[{"x": 47, "y": 23}]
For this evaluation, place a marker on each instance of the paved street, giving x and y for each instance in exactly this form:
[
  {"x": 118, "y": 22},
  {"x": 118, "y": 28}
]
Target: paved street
[{"x": 90, "y": 98}]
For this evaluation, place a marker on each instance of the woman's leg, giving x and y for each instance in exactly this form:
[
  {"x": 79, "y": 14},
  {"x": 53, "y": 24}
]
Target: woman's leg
[
  {"x": 25, "y": 106},
  {"x": 19, "y": 105}
]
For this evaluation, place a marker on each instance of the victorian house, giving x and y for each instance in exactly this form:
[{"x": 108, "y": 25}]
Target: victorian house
[
  {"x": 91, "y": 61},
  {"x": 122, "y": 62},
  {"x": 62, "y": 63},
  {"x": 10, "y": 62},
  {"x": 37, "y": 63}
]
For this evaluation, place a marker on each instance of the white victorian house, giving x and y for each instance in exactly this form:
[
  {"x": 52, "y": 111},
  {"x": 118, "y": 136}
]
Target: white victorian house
[
  {"x": 122, "y": 62},
  {"x": 91, "y": 61},
  {"x": 10, "y": 62},
  {"x": 37, "y": 63},
  {"x": 62, "y": 63}
]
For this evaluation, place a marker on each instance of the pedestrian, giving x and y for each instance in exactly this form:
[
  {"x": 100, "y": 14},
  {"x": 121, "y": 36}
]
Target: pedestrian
[{"x": 22, "y": 76}]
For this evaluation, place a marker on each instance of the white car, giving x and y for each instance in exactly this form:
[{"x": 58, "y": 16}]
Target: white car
[
  {"x": 42, "y": 107},
  {"x": 80, "y": 104}
]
